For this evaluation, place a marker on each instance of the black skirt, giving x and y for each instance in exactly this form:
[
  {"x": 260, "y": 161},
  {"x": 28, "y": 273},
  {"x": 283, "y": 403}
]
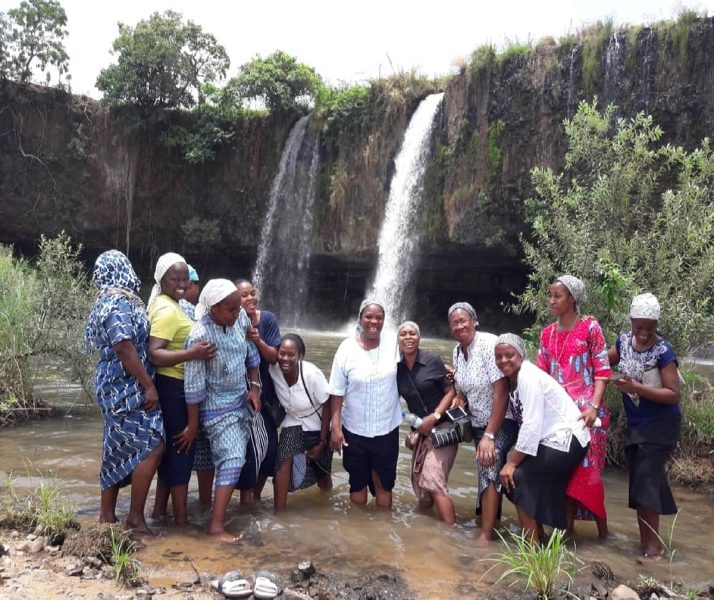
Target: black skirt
[
  {"x": 540, "y": 483},
  {"x": 647, "y": 449}
]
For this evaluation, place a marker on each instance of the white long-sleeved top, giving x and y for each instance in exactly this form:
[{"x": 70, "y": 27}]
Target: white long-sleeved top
[{"x": 545, "y": 412}]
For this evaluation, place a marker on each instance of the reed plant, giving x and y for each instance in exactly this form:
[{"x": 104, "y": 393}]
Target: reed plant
[
  {"x": 125, "y": 566},
  {"x": 44, "y": 510},
  {"x": 542, "y": 568}
]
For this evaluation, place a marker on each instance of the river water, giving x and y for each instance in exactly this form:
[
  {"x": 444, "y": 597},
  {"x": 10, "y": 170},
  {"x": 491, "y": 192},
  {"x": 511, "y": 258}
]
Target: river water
[{"x": 434, "y": 560}]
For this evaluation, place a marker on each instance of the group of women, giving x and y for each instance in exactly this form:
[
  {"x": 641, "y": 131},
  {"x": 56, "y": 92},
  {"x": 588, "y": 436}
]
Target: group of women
[{"x": 210, "y": 394}]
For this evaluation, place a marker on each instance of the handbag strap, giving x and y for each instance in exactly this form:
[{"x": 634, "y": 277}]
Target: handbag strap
[
  {"x": 416, "y": 391},
  {"x": 309, "y": 397}
]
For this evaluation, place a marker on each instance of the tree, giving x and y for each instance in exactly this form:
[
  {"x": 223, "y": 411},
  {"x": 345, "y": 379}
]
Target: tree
[
  {"x": 626, "y": 215},
  {"x": 279, "y": 81},
  {"x": 32, "y": 34},
  {"x": 162, "y": 62}
]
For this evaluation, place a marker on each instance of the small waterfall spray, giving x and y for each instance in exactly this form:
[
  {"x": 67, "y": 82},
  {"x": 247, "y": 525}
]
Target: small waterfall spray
[
  {"x": 399, "y": 237},
  {"x": 647, "y": 69},
  {"x": 612, "y": 59},
  {"x": 281, "y": 269},
  {"x": 571, "y": 81}
]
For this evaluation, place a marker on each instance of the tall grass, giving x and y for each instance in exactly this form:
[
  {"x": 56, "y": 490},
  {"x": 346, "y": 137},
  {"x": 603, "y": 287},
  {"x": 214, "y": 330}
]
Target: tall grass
[
  {"x": 125, "y": 566},
  {"x": 542, "y": 569}
]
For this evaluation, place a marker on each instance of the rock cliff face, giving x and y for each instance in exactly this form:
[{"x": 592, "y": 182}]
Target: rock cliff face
[{"x": 65, "y": 163}]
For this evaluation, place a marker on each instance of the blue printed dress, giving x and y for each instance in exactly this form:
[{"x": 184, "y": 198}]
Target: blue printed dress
[
  {"x": 220, "y": 386},
  {"x": 131, "y": 433}
]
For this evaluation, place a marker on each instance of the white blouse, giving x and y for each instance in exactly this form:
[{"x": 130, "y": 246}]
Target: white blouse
[
  {"x": 475, "y": 377},
  {"x": 299, "y": 410},
  {"x": 367, "y": 380},
  {"x": 545, "y": 412}
]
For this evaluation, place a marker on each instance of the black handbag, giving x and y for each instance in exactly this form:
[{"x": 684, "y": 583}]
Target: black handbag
[{"x": 445, "y": 434}]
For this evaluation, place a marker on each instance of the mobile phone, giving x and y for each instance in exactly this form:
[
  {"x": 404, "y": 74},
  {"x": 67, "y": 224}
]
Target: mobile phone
[
  {"x": 457, "y": 413},
  {"x": 618, "y": 376}
]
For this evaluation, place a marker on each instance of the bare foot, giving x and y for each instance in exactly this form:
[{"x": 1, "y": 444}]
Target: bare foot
[
  {"x": 484, "y": 540},
  {"x": 140, "y": 529},
  {"x": 158, "y": 514},
  {"x": 225, "y": 537},
  {"x": 108, "y": 518},
  {"x": 649, "y": 558}
]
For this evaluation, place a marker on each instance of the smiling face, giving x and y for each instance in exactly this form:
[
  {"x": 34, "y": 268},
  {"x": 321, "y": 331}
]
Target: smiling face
[
  {"x": 408, "y": 338},
  {"x": 644, "y": 332},
  {"x": 560, "y": 300},
  {"x": 372, "y": 321},
  {"x": 508, "y": 360},
  {"x": 248, "y": 297},
  {"x": 288, "y": 356},
  {"x": 462, "y": 326},
  {"x": 226, "y": 312},
  {"x": 175, "y": 281}
]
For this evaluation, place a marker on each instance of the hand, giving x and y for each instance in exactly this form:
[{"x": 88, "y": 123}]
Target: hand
[
  {"x": 184, "y": 440},
  {"x": 316, "y": 451},
  {"x": 486, "y": 452},
  {"x": 254, "y": 399},
  {"x": 252, "y": 334},
  {"x": 427, "y": 424},
  {"x": 625, "y": 384},
  {"x": 589, "y": 415},
  {"x": 506, "y": 476},
  {"x": 450, "y": 373},
  {"x": 458, "y": 401},
  {"x": 337, "y": 440},
  {"x": 203, "y": 351},
  {"x": 151, "y": 398}
]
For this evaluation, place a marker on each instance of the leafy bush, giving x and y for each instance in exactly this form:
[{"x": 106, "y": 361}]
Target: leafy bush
[
  {"x": 42, "y": 315},
  {"x": 626, "y": 215}
]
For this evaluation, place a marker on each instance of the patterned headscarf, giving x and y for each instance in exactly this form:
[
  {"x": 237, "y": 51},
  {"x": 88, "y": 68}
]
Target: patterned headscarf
[
  {"x": 411, "y": 324},
  {"x": 192, "y": 274},
  {"x": 165, "y": 262},
  {"x": 513, "y": 340},
  {"x": 645, "y": 306},
  {"x": 576, "y": 287},
  {"x": 213, "y": 292},
  {"x": 115, "y": 279},
  {"x": 463, "y": 306}
]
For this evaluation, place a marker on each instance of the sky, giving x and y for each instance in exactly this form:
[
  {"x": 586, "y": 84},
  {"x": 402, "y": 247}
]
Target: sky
[{"x": 349, "y": 42}]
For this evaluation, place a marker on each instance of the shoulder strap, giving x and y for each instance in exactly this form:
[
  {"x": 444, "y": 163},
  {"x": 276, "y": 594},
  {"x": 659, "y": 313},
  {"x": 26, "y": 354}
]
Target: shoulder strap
[
  {"x": 416, "y": 391},
  {"x": 309, "y": 397}
]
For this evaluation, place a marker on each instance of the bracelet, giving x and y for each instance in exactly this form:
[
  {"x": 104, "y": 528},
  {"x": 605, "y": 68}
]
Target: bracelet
[
  {"x": 489, "y": 435},
  {"x": 593, "y": 405},
  {"x": 256, "y": 383}
]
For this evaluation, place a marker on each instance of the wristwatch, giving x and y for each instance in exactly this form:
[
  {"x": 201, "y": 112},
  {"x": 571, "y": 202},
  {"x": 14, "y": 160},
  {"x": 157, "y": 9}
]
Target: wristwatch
[
  {"x": 489, "y": 435},
  {"x": 437, "y": 415}
]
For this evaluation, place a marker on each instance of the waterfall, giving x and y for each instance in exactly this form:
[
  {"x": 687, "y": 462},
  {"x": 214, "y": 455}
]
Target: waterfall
[
  {"x": 281, "y": 269},
  {"x": 612, "y": 59},
  {"x": 571, "y": 82},
  {"x": 399, "y": 237}
]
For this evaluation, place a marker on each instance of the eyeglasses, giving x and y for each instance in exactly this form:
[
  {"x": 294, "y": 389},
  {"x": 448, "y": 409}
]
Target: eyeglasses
[{"x": 460, "y": 323}]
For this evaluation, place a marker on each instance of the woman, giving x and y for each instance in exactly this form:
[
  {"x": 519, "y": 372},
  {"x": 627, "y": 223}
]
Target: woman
[
  {"x": 217, "y": 392},
  {"x": 264, "y": 332},
  {"x": 552, "y": 440},
  {"x": 422, "y": 382},
  {"x": 303, "y": 457},
  {"x": 133, "y": 428},
  {"x": 479, "y": 382},
  {"x": 169, "y": 329},
  {"x": 650, "y": 392},
  {"x": 573, "y": 351},
  {"x": 365, "y": 407},
  {"x": 190, "y": 296}
]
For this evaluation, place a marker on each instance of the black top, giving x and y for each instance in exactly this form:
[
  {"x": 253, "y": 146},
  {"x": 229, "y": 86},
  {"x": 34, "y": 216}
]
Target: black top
[{"x": 428, "y": 376}]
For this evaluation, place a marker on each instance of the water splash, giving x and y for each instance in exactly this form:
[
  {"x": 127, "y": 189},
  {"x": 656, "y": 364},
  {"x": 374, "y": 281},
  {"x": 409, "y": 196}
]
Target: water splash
[
  {"x": 612, "y": 60},
  {"x": 399, "y": 237},
  {"x": 281, "y": 269}
]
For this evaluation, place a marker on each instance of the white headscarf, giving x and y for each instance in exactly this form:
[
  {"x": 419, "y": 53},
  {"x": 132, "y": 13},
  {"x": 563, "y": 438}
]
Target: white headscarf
[
  {"x": 213, "y": 292},
  {"x": 165, "y": 262},
  {"x": 645, "y": 306},
  {"x": 515, "y": 341}
]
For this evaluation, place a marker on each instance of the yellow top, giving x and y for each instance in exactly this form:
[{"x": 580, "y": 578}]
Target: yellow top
[{"x": 169, "y": 322}]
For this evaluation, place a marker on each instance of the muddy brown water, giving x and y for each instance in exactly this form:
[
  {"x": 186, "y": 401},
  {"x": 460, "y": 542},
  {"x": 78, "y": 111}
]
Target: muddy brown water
[{"x": 434, "y": 560}]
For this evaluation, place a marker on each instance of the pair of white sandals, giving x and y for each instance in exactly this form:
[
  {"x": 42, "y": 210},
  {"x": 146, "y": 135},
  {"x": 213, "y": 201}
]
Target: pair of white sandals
[{"x": 235, "y": 585}]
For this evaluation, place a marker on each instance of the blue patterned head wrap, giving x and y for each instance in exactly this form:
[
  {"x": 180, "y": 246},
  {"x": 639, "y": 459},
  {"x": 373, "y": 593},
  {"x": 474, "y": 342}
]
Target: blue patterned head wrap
[
  {"x": 112, "y": 269},
  {"x": 115, "y": 279},
  {"x": 192, "y": 274}
]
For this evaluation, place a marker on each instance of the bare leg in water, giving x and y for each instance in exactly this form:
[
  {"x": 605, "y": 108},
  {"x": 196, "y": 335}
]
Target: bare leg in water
[{"x": 140, "y": 482}]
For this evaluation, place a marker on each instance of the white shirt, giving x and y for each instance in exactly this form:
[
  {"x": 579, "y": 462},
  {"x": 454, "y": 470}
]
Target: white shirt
[
  {"x": 546, "y": 413},
  {"x": 475, "y": 377},
  {"x": 367, "y": 380},
  {"x": 294, "y": 399}
]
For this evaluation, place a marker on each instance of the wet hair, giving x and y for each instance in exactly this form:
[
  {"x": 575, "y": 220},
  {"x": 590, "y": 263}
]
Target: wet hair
[{"x": 297, "y": 340}]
